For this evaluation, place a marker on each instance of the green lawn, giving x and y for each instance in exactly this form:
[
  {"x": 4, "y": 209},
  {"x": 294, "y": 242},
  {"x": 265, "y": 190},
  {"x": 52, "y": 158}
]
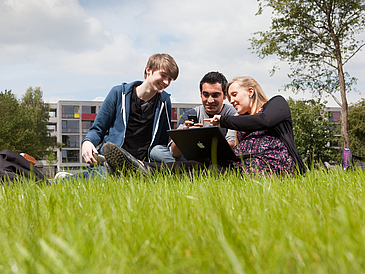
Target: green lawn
[{"x": 162, "y": 224}]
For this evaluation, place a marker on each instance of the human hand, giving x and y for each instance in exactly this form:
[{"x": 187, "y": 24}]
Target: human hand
[
  {"x": 190, "y": 124},
  {"x": 88, "y": 149},
  {"x": 215, "y": 121}
]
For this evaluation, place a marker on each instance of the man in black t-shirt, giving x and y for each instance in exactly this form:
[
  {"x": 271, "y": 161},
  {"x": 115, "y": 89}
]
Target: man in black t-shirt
[
  {"x": 140, "y": 125},
  {"x": 135, "y": 115}
]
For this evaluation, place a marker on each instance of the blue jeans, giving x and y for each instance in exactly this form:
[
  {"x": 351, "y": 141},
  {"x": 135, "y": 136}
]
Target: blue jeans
[
  {"x": 92, "y": 172},
  {"x": 161, "y": 154}
]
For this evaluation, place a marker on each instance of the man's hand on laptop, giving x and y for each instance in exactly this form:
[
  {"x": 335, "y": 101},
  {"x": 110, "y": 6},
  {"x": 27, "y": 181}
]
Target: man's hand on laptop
[
  {"x": 215, "y": 121},
  {"x": 190, "y": 124}
]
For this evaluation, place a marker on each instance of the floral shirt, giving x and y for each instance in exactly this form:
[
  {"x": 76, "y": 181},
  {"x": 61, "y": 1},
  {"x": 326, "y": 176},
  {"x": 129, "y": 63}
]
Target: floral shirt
[
  {"x": 268, "y": 154},
  {"x": 268, "y": 136}
]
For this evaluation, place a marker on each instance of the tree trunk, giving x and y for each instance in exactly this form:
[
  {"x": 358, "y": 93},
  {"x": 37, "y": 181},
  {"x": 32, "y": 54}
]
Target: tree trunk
[
  {"x": 341, "y": 78},
  {"x": 344, "y": 110}
]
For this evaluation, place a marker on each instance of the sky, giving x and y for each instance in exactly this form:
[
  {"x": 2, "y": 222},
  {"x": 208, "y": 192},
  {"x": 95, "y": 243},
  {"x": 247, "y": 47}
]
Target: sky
[{"x": 79, "y": 50}]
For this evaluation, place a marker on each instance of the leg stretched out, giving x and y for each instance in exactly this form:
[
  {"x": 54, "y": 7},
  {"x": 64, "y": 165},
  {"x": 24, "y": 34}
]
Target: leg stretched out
[{"x": 118, "y": 158}]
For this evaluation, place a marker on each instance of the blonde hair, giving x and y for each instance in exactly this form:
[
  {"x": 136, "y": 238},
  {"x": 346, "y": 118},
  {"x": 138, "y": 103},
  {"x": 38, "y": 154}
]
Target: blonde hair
[
  {"x": 258, "y": 98},
  {"x": 162, "y": 61}
]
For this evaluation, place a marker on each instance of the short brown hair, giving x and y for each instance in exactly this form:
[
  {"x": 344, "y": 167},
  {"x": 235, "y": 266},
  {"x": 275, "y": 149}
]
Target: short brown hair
[
  {"x": 162, "y": 61},
  {"x": 258, "y": 98}
]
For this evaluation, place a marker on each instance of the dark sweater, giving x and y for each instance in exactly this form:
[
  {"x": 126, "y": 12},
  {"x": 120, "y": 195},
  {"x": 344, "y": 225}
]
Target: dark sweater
[{"x": 276, "y": 118}]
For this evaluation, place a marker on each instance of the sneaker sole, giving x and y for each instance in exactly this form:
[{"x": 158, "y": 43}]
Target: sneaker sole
[{"x": 116, "y": 158}]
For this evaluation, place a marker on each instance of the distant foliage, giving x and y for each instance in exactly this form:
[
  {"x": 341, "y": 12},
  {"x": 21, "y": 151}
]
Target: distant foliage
[
  {"x": 24, "y": 123},
  {"x": 313, "y": 131},
  {"x": 356, "y": 122},
  {"x": 317, "y": 39}
]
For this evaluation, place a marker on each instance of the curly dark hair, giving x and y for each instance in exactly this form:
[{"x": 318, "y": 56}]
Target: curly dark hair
[{"x": 214, "y": 77}]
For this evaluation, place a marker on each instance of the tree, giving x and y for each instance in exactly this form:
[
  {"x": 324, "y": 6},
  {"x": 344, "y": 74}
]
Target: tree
[
  {"x": 25, "y": 123},
  {"x": 313, "y": 132},
  {"x": 12, "y": 120},
  {"x": 38, "y": 139},
  {"x": 51, "y": 160},
  {"x": 356, "y": 120},
  {"x": 316, "y": 38}
]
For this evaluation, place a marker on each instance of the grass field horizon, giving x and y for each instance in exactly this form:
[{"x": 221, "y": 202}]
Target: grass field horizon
[{"x": 207, "y": 224}]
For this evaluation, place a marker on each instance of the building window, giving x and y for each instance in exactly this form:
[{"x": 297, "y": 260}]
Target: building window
[
  {"x": 53, "y": 113},
  {"x": 335, "y": 116},
  {"x": 86, "y": 125},
  {"x": 88, "y": 109},
  {"x": 174, "y": 125},
  {"x": 70, "y": 156},
  {"x": 70, "y": 112},
  {"x": 70, "y": 126},
  {"x": 51, "y": 127},
  {"x": 173, "y": 114},
  {"x": 71, "y": 140}
]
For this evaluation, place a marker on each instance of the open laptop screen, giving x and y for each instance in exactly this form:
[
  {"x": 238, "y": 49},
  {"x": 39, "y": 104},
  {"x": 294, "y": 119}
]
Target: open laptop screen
[{"x": 202, "y": 144}]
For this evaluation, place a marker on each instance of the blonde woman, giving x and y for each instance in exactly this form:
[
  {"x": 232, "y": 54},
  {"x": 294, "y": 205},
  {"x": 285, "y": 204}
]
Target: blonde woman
[{"x": 264, "y": 129}]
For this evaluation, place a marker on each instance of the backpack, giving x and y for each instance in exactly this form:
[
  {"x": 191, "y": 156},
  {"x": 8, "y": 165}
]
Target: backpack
[{"x": 13, "y": 167}]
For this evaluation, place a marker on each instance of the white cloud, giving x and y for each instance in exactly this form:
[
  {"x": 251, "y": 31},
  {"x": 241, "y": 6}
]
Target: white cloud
[
  {"x": 99, "y": 99},
  {"x": 38, "y": 25},
  {"x": 79, "y": 52},
  {"x": 116, "y": 58}
]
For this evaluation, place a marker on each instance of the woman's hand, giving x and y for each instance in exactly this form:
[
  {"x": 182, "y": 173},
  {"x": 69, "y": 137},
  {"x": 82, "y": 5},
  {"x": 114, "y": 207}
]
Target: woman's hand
[{"x": 215, "y": 121}]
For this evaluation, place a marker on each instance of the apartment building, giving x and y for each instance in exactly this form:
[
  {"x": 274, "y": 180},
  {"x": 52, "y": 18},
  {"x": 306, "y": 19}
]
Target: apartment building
[{"x": 70, "y": 121}]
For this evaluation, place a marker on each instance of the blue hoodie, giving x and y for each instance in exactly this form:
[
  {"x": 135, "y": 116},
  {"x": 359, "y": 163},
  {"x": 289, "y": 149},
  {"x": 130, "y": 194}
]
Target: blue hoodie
[{"x": 111, "y": 121}]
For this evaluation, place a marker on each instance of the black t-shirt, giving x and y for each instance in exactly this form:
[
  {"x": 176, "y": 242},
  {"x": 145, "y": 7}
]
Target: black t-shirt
[{"x": 138, "y": 134}]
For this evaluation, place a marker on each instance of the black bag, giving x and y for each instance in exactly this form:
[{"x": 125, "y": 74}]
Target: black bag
[{"x": 13, "y": 166}]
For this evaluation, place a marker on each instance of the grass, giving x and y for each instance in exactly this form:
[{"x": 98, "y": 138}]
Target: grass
[{"x": 161, "y": 224}]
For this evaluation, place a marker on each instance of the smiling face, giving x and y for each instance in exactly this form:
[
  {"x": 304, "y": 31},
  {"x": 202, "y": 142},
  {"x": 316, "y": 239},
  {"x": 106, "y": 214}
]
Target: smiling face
[
  {"x": 212, "y": 98},
  {"x": 158, "y": 80},
  {"x": 240, "y": 98}
]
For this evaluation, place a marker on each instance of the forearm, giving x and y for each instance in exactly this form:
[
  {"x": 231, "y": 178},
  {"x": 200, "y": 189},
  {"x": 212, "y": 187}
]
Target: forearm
[
  {"x": 175, "y": 151},
  {"x": 242, "y": 123},
  {"x": 274, "y": 112}
]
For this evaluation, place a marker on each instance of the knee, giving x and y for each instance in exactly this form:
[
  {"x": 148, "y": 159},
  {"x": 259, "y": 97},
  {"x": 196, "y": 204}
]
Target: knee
[{"x": 160, "y": 153}]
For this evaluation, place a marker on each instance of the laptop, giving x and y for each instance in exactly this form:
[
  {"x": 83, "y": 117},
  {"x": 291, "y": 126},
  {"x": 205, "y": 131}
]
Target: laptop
[{"x": 202, "y": 144}]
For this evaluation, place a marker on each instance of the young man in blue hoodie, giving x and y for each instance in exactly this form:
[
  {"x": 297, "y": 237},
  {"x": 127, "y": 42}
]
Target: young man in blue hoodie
[{"x": 135, "y": 116}]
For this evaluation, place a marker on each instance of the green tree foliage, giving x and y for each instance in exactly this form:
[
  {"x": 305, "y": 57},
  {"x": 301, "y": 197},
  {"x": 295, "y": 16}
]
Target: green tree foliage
[
  {"x": 356, "y": 120},
  {"x": 312, "y": 130},
  {"x": 317, "y": 38},
  {"x": 24, "y": 123},
  {"x": 12, "y": 120}
]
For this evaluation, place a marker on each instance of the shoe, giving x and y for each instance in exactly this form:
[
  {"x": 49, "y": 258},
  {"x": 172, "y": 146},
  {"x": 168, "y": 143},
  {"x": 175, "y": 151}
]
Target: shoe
[
  {"x": 62, "y": 175},
  {"x": 100, "y": 160},
  {"x": 30, "y": 159},
  {"x": 108, "y": 168},
  {"x": 118, "y": 158}
]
